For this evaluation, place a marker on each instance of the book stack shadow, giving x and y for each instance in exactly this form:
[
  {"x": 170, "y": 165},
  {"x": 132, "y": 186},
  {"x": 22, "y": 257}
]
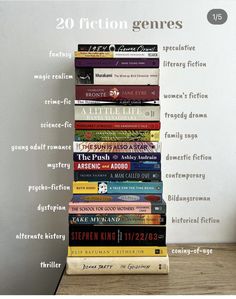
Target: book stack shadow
[{"x": 117, "y": 215}]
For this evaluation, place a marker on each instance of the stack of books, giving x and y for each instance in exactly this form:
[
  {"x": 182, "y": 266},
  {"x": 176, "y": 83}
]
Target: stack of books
[{"x": 117, "y": 216}]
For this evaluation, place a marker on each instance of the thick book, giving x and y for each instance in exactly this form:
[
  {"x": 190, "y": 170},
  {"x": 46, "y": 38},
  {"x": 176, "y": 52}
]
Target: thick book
[
  {"x": 118, "y": 76},
  {"x": 127, "y": 175},
  {"x": 117, "y": 165},
  {"x": 117, "y": 219},
  {"x": 102, "y": 251},
  {"x": 117, "y": 235},
  {"x": 106, "y": 187},
  {"x": 135, "y": 157},
  {"x": 126, "y": 204},
  {"x": 117, "y": 113},
  {"x": 117, "y": 125},
  {"x": 117, "y": 135},
  {"x": 118, "y": 265},
  {"x": 117, "y": 147}
]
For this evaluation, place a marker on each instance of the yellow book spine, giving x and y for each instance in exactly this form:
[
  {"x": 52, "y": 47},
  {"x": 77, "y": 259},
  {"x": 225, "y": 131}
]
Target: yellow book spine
[
  {"x": 86, "y": 251},
  {"x": 85, "y": 54},
  {"x": 154, "y": 135},
  {"x": 85, "y": 187}
]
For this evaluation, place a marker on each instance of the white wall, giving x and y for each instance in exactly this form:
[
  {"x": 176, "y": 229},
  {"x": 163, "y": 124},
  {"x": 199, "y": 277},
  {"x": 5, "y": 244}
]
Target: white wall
[{"x": 27, "y": 35}]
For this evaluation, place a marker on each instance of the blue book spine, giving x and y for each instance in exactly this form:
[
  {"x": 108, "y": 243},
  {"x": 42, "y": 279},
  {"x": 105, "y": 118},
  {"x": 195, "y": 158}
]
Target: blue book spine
[
  {"x": 134, "y": 187},
  {"x": 148, "y": 165},
  {"x": 116, "y": 197}
]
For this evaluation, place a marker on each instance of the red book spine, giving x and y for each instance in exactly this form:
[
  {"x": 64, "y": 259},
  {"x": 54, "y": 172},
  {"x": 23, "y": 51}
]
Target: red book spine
[
  {"x": 120, "y": 125},
  {"x": 113, "y": 93}
]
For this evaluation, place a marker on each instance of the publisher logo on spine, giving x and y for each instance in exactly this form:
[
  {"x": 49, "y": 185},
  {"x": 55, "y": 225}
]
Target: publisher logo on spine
[{"x": 114, "y": 93}]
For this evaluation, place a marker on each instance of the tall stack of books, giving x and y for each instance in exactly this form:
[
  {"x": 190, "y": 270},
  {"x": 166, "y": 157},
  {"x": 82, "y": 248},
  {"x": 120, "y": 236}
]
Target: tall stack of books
[{"x": 117, "y": 216}]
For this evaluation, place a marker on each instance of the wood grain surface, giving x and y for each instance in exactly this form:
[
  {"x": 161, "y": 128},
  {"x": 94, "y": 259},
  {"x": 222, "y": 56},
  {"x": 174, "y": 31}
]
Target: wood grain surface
[{"x": 189, "y": 274}]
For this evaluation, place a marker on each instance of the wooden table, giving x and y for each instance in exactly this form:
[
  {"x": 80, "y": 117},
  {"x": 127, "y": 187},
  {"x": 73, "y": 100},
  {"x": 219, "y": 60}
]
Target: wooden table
[{"x": 189, "y": 274}]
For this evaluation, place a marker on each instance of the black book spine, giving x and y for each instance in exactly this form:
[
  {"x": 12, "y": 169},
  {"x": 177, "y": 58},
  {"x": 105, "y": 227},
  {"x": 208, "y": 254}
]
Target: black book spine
[
  {"x": 117, "y": 175},
  {"x": 117, "y": 48},
  {"x": 86, "y": 235}
]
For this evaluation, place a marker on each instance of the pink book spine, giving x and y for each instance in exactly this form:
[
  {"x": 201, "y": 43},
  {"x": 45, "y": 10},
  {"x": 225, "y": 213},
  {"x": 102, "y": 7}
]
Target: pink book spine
[{"x": 110, "y": 207}]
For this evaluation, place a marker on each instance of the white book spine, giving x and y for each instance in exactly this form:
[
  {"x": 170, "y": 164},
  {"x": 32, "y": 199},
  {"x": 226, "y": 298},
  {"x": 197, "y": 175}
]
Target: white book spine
[
  {"x": 117, "y": 265},
  {"x": 135, "y": 54},
  {"x": 116, "y": 112},
  {"x": 120, "y": 76}
]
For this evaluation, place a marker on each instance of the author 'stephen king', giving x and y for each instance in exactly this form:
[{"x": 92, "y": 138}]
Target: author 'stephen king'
[{"x": 117, "y": 215}]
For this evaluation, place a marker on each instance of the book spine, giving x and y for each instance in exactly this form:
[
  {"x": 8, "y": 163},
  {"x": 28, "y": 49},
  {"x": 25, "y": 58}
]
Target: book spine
[
  {"x": 84, "y": 54},
  {"x": 123, "y": 76},
  {"x": 138, "y": 208},
  {"x": 119, "y": 165},
  {"x": 120, "y": 265},
  {"x": 117, "y": 62},
  {"x": 116, "y": 187},
  {"x": 87, "y": 235},
  {"x": 117, "y": 47},
  {"x": 120, "y": 102},
  {"x": 116, "y": 113},
  {"x": 116, "y": 251},
  {"x": 117, "y": 135},
  {"x": 117, "y": 219},
  {"x": 117, "y": 197},
  {"x": 117, "y": 175},
  {"x": 116, "y": 207},
  {"x": 116, "y": 147},
  {"x": 117, "y": 157},
  {"x": 117, "y": 92},
  {"x": 110, "y": 125}
]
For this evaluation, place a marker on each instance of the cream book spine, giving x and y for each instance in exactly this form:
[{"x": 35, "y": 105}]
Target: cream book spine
[{"x": 117, "y": 265}]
